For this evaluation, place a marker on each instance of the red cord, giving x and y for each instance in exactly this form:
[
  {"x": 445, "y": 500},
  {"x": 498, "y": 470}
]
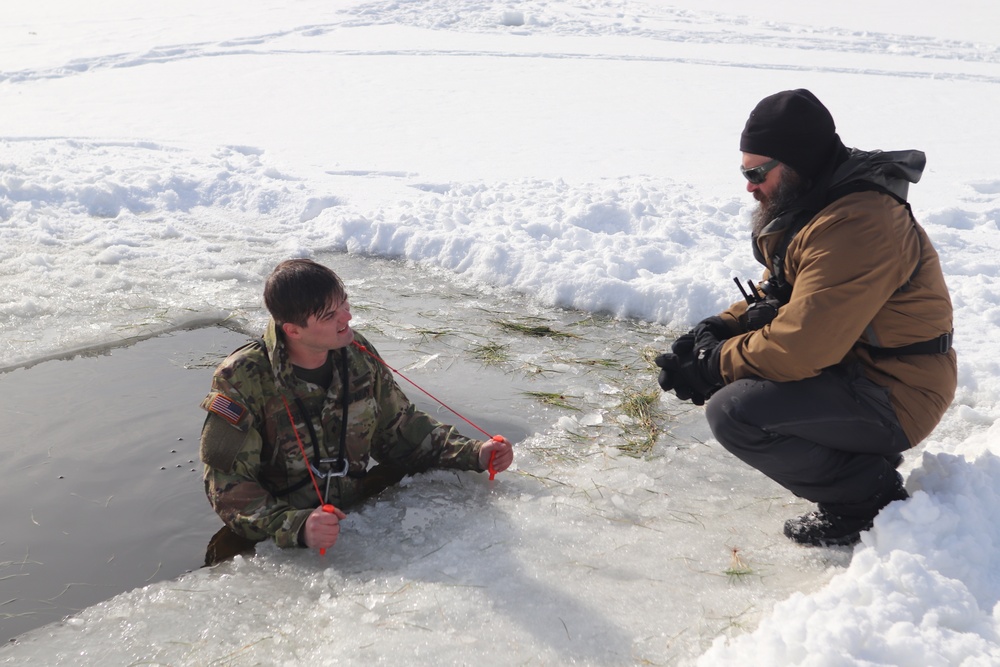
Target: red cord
[
  {"x": 327, "y": 507},
  {"x": 443, "y": 404},
  {"x": 498, "y": 438}
]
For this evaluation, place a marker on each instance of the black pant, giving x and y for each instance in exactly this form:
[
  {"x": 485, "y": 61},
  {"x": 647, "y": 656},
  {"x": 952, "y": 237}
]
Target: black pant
[{"x": 825, "y": 439}]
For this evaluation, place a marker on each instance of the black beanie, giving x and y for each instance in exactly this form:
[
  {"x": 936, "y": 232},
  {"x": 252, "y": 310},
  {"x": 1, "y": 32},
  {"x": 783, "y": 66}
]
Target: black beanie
[{"x": 793, "y": 127}]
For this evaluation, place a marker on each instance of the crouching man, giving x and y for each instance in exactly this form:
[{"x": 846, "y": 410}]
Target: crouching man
[{"x": 841, "y": 359}]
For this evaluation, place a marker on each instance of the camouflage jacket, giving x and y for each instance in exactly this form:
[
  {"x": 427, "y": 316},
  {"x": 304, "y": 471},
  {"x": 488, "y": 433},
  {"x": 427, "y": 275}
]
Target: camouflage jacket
[{"x": 255, "y": 474}]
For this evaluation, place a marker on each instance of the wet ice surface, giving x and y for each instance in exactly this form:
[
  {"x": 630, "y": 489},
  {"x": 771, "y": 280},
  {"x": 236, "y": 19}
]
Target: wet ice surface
[{"x": 613, "y": 541}]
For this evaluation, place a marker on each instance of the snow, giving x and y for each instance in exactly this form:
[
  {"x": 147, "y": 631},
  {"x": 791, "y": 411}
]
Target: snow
[{"x": 156, "y": 162}]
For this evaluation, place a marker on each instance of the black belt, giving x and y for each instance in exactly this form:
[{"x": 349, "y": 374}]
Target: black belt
[{"x": 940, "y": 345}]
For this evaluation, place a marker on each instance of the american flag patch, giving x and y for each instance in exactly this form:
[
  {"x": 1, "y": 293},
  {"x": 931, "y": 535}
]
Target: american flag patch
[{"x": 229, "y": 410}]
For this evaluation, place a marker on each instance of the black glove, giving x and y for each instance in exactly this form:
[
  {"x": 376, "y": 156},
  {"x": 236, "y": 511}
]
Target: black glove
[
  {"x": 684, "y": 345},
  {"x": 706, "y": 334},
  {"x": 693, "y": 377},
  {"x": 709, "y": 329},
  {"x": 669, "y": 364},
  {"x": 760, "y": 313},
  {"x": 673, "y": 377}
]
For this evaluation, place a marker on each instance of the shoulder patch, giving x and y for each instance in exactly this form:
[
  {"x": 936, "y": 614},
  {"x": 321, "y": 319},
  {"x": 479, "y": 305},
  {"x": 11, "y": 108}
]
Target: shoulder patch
[
  {"x": 233, "y": 412},
  {"x": 220, "y": 443}
]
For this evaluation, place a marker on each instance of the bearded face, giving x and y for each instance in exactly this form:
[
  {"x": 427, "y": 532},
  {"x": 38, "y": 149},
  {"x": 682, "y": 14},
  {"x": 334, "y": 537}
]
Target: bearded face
[{"x": 790, "y": 187}]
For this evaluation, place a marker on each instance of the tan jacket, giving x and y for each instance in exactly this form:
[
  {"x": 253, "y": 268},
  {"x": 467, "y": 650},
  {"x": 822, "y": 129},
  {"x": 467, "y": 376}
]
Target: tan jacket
[{"x": 846, "y": 267}]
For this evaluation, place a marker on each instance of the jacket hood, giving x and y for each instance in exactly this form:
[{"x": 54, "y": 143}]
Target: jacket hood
[
  {"x": 854, "y": 171},
  {"x": 892, "y": 171}
]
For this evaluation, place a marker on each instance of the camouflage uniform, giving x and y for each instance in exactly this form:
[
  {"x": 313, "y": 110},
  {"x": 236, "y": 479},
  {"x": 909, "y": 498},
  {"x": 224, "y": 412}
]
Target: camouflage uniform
[{"x": 255, "y": 474}]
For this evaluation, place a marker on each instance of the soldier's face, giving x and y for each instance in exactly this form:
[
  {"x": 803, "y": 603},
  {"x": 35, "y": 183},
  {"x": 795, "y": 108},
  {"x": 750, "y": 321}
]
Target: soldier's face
[{"x": 331, "y": 329}]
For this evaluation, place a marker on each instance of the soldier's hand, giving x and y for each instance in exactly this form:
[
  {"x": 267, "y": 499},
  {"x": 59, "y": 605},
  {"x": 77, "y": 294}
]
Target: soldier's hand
[
  {"x": 322, "y": 528},
  {"x": 504, "y": 453}
]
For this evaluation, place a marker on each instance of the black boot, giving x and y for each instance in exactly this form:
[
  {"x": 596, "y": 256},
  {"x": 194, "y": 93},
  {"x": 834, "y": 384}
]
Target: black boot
[
  {"x": 841, "y": 524},
  {"x": 895, "y": 460}
]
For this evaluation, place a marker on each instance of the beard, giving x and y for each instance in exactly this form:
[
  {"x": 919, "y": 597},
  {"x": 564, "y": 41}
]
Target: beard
[{"x": 790, "y": 187}]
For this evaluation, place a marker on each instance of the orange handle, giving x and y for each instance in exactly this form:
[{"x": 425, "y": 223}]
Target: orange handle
[
  {"x": 329, "y": 509},
  {"x": 493, "y": 455}
]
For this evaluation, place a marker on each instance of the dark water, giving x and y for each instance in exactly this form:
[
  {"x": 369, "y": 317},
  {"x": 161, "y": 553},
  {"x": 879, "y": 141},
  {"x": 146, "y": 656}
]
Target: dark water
[{"x": 101, "y": 481}]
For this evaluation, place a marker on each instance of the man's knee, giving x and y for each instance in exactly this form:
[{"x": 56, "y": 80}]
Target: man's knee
[
  {"x": 725, "y": 415},
  {"x": 715, "y": 415}
]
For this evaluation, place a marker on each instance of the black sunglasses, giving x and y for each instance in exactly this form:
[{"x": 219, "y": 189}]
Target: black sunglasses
[{"x": 758, "y": 174}]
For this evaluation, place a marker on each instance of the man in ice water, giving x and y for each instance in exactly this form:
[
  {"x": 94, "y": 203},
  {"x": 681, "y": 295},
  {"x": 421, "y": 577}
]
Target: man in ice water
[
  {"x": 306, "y": 397},
  {"x": 841, "y": 359}
]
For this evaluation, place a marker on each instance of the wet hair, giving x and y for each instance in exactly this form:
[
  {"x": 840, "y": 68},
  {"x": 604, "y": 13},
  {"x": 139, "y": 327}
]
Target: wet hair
[{"x": 300, "y": 288}]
